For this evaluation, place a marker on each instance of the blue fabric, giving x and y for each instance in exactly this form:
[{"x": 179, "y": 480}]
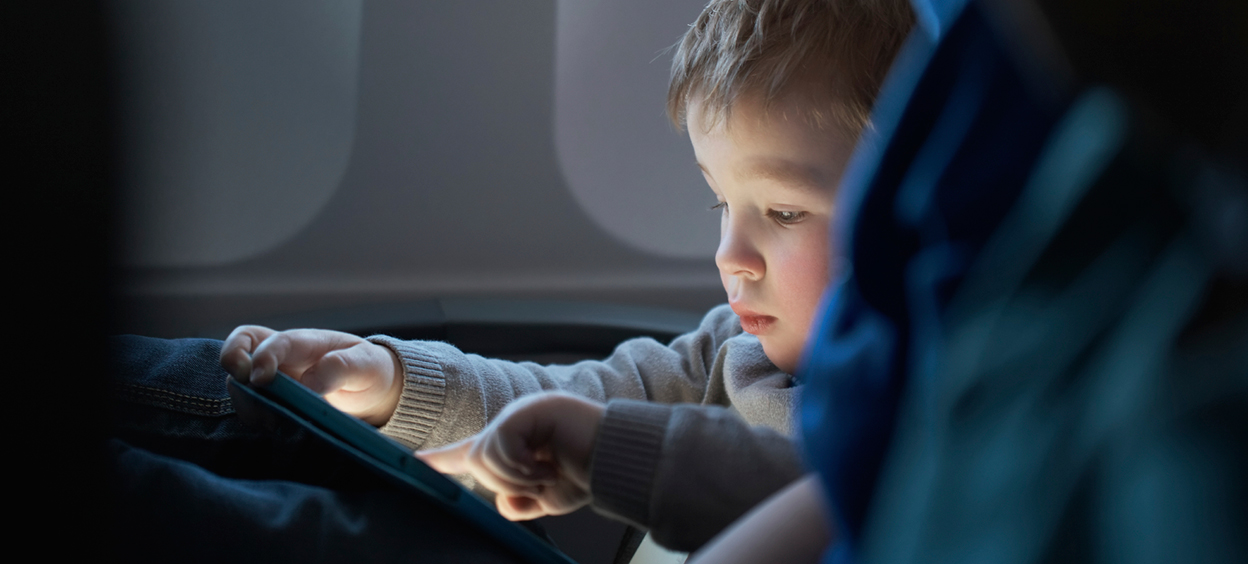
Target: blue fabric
[
  {"x": 1088, "y": 397},
  {"x": 935, "y": 16},
  {"x": 925, "y": 196},
  {"x": 192, "y": 482},
  {"x": 1036, "y": 352}
]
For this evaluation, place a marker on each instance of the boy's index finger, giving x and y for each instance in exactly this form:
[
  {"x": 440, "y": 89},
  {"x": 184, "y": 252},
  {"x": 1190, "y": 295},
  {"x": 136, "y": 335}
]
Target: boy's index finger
[
  {"x": 449, "y": 459},
  {"x": 268, "y": 356},
  {"x": 291, "y": 351},
  {"x": 236, "y": 350},
  {"x": 295, "y": 350}
]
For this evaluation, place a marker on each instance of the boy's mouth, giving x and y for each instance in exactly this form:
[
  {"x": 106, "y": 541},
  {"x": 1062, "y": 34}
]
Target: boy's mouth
[
  {"x": 757, "y": 324},
  {"x": 751, "y": 321}
]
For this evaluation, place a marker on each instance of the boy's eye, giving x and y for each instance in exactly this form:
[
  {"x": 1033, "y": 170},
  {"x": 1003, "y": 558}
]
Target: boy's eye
[
  {"x": 786, "y": 217},
  {"x": 719, "y": 206}
]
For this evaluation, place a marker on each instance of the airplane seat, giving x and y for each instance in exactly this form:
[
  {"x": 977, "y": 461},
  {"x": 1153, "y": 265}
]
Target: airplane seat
[{"x": 544, "y": 331}]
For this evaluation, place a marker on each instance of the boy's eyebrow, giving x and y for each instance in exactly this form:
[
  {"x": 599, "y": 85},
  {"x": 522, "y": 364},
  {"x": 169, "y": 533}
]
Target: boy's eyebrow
[
  {"x": 783, "y": 172},
  {"x": 787, "y": 173}
]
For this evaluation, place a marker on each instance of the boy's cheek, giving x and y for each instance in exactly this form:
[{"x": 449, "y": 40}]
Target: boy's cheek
[{"x": 809, "y": 279}]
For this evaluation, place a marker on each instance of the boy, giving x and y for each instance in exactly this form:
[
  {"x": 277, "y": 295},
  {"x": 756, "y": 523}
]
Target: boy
[{"x": 774, "y": 94}]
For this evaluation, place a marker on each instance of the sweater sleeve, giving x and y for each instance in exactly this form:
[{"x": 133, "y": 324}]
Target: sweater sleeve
[
  {"x": 685, "y": 472},
  {"x": 449, "y": 395}
]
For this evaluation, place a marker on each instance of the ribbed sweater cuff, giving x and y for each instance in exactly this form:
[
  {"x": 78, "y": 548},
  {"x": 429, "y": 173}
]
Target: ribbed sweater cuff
[
  {"x": 626, "y": 457},
  {"x": 424, "y": 393}
]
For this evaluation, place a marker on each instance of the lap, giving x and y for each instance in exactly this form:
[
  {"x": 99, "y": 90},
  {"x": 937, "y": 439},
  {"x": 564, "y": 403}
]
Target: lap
[{"x": 192, "y": 481}]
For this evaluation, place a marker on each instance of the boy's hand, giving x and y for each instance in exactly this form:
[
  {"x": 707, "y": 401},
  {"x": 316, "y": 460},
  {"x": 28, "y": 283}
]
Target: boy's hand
[
  {"x": 354, "y": 375},
  {"x": 534, "y": 455}
]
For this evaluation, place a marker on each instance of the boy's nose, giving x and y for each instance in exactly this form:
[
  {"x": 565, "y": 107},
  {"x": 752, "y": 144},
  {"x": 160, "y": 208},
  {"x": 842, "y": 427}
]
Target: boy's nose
[{"x": 737, "y": 254}]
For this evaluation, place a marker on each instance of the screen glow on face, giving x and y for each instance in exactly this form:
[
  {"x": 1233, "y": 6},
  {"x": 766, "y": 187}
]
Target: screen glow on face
[{"x": 774, "y": 177}]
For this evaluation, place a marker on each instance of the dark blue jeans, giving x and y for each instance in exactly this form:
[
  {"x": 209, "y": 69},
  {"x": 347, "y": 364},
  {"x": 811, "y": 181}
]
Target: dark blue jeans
[{"x": 192, "y": 481}]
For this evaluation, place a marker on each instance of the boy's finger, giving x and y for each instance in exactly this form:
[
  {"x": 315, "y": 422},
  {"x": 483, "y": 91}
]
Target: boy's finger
[
  {"x": 465, "y": 457},
  {"x": 357, "y": 369},
  {"x": 268, "y": 356},
  {"x": 329, "y": 374},
  {"x": 237, "y": 348},
  {"x": 296, "y": 350},
  {"x": 509, "y": 455},
  {"x": 449, "y": 459},
  {"x": 519, "y": 508},
  {"x": 502, "y": 486}
]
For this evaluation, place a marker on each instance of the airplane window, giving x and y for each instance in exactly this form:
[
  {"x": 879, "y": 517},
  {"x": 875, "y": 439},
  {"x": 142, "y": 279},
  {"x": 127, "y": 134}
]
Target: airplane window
[
  {"x": 627, "y": 167},
  {"x": 292, "y": 156},
  {"x": 231, "y": 110}
]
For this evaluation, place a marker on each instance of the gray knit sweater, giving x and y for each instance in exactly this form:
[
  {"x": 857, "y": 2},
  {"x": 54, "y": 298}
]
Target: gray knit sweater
[{"x": 713, "y": 436}]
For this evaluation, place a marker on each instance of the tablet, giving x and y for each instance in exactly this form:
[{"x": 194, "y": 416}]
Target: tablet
[{"x": 290, "y": 399}]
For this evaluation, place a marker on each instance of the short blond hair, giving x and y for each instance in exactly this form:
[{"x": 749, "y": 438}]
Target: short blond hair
[{"x": 839, "y": 50}]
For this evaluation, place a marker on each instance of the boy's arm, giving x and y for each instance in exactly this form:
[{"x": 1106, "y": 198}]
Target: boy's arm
[
  {"x": 448, "y": 395},
  {"x": 685, "y": 472},
  {"x": 791, "y": 527}
]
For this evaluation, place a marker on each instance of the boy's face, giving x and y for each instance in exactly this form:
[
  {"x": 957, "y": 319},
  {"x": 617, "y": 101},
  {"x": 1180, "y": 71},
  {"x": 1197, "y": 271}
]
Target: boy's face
[{"x": 774, "y": 175}]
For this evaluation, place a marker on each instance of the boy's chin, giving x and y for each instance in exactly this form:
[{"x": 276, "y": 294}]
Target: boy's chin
[{"x": 779, "y": 355}]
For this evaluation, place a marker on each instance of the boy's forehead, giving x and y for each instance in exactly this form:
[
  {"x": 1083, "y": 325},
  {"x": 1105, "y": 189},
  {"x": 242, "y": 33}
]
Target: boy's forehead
[{"x": 770, "y": 146}]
